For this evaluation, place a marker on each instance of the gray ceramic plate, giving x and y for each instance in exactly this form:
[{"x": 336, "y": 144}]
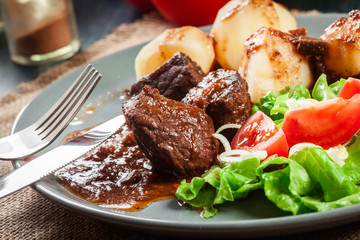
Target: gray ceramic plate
[{"x": 252, "y": 217}]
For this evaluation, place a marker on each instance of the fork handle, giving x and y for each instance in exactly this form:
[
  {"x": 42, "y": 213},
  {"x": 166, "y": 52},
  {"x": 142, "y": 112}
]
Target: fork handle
[{"x": 19, "y": 144}]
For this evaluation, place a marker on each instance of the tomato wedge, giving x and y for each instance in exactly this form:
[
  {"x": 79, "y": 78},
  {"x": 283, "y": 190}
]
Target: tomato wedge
[
  {"x": 327, "y": 123},
  {"x": 260, "y": 132},
  {"x": 350, "y": 88}
]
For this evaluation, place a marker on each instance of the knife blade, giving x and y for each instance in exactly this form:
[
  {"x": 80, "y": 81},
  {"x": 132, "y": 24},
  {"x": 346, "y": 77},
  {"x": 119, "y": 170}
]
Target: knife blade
[{"x": 59, "y": 157}]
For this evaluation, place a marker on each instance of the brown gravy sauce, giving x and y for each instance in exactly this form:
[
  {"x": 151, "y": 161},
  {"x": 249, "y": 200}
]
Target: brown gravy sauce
[{"x": 117, "y": 175}]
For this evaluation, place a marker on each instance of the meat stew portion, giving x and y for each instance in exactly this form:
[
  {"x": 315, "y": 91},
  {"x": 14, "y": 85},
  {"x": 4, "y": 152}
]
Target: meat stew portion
[
  {"x": 175, "y": 136},
  {"x": 163, "y": 142}
]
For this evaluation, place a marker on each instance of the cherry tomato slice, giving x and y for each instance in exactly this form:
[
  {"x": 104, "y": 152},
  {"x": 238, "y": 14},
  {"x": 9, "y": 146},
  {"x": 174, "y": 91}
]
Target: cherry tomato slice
[
  {"x": 260, "y": 132},
  {"x": 350, "y": 88},
  {"x": 327, "y": 123}
]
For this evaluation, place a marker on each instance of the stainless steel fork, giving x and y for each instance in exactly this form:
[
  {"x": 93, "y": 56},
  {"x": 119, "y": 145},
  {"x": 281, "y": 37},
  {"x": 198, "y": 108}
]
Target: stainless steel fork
[{"x": 44, "y": 131}]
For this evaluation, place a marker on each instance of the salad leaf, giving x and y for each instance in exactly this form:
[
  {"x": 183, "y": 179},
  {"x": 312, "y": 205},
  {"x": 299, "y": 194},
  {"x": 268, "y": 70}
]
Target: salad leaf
[
  {"x": 274, "y": 103},
  {"x": 280, "y": 108},
  {"x": 197, "y": 195},
  {"x": 310, "y": 181},
  {"x": 322, "y": 91},
  {"x": 334, "y": 183},
  {"x": 296, "y": 91},
  {"x": 317, "y": 204},
  {"x": 265, "y": 104},
  {"x": 352, "y": 163},
  {"x": 221, "y": 183},
  {"x": 284, "y": 186},
  {"x": 337, "y": 86}
]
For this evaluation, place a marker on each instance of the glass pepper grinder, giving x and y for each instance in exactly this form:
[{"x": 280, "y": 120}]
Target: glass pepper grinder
[{"x": 40, "y": 31}]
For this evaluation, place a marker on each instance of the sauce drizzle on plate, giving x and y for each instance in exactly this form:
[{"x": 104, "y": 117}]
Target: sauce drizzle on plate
[{"x": 117, "y": 175}]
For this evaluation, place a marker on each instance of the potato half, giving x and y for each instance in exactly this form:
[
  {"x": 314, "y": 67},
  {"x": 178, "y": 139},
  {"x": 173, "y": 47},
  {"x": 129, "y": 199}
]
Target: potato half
[
  {"x": 271, "y": 63},
  {"x": 188, "y": 39},
  {"x": 238, "y": 19}
]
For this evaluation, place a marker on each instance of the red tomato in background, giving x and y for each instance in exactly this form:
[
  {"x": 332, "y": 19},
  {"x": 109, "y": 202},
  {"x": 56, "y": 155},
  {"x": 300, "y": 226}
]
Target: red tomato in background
[
  {"x": 327, "y": 123},
  {"x": 350, "y": 88},
  {"x": 189, "y": 12},
  {"x": 142, "y": 5},
  {"x": 260, "y": 132}
]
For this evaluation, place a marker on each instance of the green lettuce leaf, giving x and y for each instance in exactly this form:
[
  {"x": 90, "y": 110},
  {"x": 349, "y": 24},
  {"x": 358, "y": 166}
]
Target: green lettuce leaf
[
  {"x": 337, "y": 86},
  {"x": 274, "y": 103},
  {"x": 296, "y": 91},
  {"x": 334, "y": 182},
  {"x": 280, "y": 108},
  {"x": 265, "y": 104},
  {"x": 220, "y": 184},
  {"x": 352, "y": 163},
  {"x": 198, "y": 195},
  {"x": 309, "y": 181},
  {"x": 285, "y": 185},
  {"x": 322, "y": 91},
  {"x": 317, "y": 204}
]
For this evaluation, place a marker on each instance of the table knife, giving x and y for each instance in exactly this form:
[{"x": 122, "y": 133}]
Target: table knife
[{"x": 57, "y": 158}]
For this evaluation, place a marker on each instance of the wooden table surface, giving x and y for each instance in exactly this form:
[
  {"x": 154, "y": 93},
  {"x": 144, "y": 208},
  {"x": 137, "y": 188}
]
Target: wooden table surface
[{"x": 95, "y": 20}]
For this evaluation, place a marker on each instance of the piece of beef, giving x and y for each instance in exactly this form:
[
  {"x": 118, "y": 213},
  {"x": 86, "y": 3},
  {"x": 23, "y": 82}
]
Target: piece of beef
[
  {"x": 173, "y": 79},
  {"x": 176, "y": 137},
  {"x": 223, "y": 94},
  {"x": 315, "y": 49},
  {"x": 308, "y": 46},
  {"x": 305, "y": 45}
]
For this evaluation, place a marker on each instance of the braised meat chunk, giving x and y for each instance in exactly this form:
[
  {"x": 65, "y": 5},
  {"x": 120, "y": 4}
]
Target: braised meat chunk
[
  {"x": 314, "y": 49},
  {"x": 308, "y": 46},
  {"x": 223, "y": 94},
  {"x": 173, "y": 78},
  {"x": 176, "y": 137}
]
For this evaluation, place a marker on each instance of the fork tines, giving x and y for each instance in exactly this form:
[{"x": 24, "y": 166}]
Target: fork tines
[{"x": 59, "y": 116}]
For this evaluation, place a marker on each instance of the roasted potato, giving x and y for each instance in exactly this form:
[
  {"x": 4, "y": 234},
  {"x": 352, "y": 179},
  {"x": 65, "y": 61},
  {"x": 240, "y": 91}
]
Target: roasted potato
[
  {"x": 190, "y": 40},
  {"x": 238, "y": 19},
  {"x": 271, "y": 62},
  {"x": 343, "y": 46}
]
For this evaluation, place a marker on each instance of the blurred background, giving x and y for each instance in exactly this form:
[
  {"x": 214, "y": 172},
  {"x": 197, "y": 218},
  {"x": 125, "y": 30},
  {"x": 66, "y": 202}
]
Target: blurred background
[
  {"x": 322, "y": 5},
  {"x": 96, "y": 19}
]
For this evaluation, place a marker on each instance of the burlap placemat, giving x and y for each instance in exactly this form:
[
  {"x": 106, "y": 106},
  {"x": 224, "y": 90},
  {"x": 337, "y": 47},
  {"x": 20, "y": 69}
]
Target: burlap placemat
[{"x": 27, "y": 215}]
